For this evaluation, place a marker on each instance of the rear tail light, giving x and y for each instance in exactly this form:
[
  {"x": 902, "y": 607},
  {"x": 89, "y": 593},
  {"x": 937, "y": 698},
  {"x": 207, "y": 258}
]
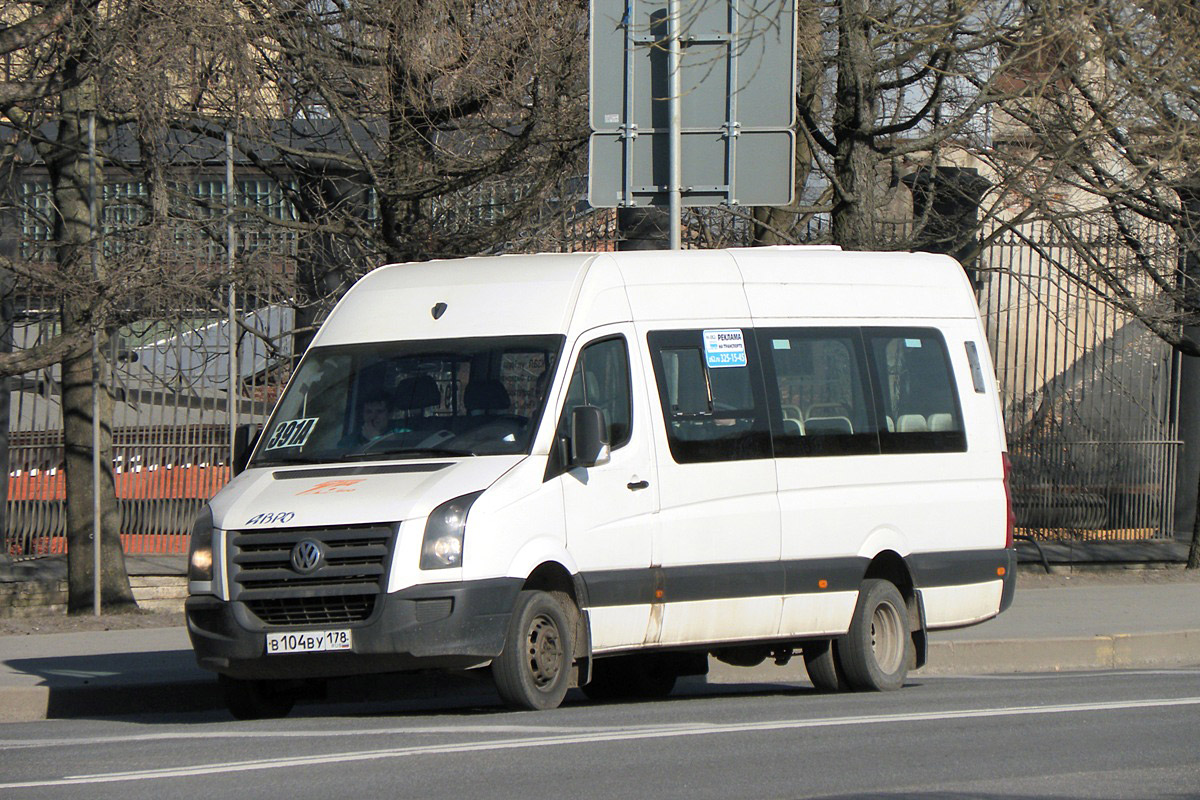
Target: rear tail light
[{"x": 1011, "y": 523}]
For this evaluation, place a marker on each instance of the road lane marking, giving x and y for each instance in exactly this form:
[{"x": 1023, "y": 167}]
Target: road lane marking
[
  {"x": 593, "y": 737},
  {"x": 411, "y": 730},
  {"x": 1047, "y": 676}
]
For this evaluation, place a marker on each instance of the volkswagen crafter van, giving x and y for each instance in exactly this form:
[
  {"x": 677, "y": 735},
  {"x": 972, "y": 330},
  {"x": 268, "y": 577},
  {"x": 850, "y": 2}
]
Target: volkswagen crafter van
[{"x": 599, "y": 470}]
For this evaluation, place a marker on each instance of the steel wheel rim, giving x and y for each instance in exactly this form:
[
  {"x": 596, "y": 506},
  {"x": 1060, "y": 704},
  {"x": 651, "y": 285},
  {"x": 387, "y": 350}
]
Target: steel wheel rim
[
  {"x": 886, "y": 641},
  {"x": 544, "y": 650}
]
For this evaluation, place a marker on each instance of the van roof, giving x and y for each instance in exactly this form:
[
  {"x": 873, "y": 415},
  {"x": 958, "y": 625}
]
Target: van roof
[{"x": 531, "y": 294}]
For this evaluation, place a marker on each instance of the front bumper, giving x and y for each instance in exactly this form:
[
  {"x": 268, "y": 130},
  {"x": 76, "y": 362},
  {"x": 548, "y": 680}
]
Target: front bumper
[{"x": 434, "y": 626}]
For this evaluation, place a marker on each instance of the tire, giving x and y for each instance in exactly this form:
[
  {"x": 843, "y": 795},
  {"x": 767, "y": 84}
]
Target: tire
[
  {"x": 534, "y": 670},
  {"x": 875, "y": 653},
  {"x": 824, "y": 671},
  {"x": 647, "y": 677},
  {"x": 257, "y": 699}
]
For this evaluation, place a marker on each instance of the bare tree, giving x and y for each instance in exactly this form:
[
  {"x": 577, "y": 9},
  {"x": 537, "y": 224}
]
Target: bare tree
[
  {"x": 1118, "y": 127},
  {"x": 75, "y": 77},
  {"x": 394, "y": 132},
  {"x": 415, "y": 130}
]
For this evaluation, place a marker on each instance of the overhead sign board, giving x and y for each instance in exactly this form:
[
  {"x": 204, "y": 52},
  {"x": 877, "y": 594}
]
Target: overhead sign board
[
  {"x": 763, "y": 171},
  {"x": 737, "y": 97}
]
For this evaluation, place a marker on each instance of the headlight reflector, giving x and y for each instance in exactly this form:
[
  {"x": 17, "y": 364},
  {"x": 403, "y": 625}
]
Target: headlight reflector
[
  {"x": 200, "y": 547},
  {"x": 443, "y": 544}
]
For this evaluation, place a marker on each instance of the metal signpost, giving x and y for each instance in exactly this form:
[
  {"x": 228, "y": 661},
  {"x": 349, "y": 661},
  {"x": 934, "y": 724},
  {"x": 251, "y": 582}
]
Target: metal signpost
[{"x": 692, "y": 103}]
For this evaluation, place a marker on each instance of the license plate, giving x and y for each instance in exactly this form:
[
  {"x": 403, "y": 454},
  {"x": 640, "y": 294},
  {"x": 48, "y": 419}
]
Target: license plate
[{"x": 307, "y": 642}]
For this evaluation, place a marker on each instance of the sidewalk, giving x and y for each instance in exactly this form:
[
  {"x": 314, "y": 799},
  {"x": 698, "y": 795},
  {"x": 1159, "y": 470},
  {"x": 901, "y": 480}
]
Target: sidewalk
[{"x": 1059, "y": 627}]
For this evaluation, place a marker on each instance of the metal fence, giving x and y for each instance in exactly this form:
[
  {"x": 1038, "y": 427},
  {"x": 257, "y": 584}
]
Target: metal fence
[
  {"x": 1086, "y": 391},
  {"x": 172, "y": 423}
]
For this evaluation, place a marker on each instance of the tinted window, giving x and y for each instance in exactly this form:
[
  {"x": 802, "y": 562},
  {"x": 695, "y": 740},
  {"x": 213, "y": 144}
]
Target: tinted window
[
  {"x": 712, "y": 401},
  {"x": 917, "y": 391},
  {"x": 819, "y": 392},
  {"x": 601, "y": 379}
]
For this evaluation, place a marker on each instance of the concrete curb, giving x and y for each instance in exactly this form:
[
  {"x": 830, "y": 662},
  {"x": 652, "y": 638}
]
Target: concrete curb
[
  {"x": 1115, "y": 651},
  {"x": 36, "y": 703},
  {"x": 1001, "y": 656},
  {"x": 190, "y": 694}
]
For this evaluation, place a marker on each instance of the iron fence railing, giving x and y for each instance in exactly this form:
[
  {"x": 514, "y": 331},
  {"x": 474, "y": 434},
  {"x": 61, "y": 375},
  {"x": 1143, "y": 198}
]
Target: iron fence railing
[
  {"x": 1087, "y": 390},
  {"x": 160, "y": 488},
  {"x": 1100, "y": 491}
]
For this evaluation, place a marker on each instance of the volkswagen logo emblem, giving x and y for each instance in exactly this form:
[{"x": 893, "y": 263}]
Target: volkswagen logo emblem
[{"x": 307, "y": 556}]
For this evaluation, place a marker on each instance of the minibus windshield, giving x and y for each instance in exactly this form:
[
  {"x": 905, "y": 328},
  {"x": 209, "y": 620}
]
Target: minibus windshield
[{"x": 415, "y": 399}]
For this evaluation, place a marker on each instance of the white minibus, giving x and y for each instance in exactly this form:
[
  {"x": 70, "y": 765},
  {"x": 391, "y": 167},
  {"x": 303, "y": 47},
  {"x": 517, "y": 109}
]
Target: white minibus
[{"x": 602, "y": 469}]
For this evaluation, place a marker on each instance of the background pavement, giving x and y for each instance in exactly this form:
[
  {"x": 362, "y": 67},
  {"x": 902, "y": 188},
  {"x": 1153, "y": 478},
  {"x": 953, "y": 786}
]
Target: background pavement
[{"x": 1123, "y": 621}]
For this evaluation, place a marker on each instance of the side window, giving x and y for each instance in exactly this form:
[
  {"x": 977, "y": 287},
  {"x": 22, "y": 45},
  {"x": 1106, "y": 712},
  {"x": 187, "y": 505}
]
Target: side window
[
  {"x": 711, "y": 395},
  {"x": 601, "y": 379},
  {"x": 821, "y": 400},
  {"x": 916, "y": 386}
]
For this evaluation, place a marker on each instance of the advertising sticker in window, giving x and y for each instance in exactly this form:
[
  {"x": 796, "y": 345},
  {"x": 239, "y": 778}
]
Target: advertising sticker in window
[{"x": 724, "y": 348}]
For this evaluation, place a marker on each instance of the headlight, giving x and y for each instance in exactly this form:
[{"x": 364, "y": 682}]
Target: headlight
[
  {"x": 443, "y": 545},
  {"x": 200, "y": 547}
]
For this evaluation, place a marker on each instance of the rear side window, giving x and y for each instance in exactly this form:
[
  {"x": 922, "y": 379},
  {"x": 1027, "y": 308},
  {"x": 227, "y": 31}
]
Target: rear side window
[
  {"x": 711, "y": 393},
  {"x": 819, "y": 392},
  {"x": 920, "y": 404}
]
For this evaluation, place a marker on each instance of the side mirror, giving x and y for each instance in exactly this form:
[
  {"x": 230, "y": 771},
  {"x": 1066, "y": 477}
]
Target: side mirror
[
  {"x": 245, "y": 437},
  {"x": 589, "y": 437}
]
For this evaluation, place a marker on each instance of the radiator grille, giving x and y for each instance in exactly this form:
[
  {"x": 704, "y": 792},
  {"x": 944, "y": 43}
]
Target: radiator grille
[
  {"x": 343, "y": 588},
  {"x": 313, "y": 610}
]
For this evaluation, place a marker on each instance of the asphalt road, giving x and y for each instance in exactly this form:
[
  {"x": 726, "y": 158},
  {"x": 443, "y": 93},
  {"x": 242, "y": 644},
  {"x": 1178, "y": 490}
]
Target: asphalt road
[{"x": 1094, "y": 735}]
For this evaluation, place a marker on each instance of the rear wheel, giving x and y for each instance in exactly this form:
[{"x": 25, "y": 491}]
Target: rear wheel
[
  {"x": 257, "y": 699},
  {"x": 534, "y": 670},
  {"x": 821, "y": 661},
  {"x": 874, "y": 653}
]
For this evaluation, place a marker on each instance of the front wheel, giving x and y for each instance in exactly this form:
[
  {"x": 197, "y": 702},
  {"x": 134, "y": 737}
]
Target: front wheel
[
  {"x": 534, "y": 669},
  {"x": 874, "y": 653}
]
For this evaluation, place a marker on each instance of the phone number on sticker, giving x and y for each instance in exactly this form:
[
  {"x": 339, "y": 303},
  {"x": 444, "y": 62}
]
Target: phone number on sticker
[{"x": 307, "y": 642}]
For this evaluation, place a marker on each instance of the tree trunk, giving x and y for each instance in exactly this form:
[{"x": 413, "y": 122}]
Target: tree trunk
[
  {"x": 70, "y": 181},
  {"x": 115, "y": 592},
  {"x": 854, "y": 163}
]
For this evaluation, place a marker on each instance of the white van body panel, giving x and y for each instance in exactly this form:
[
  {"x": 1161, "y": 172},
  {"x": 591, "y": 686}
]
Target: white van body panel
[
  {"x": 814, "y": 614},
  {"x": 956, "y": 606},
  {"x": 709, "y": 621},
  {"x": 395, "y": 302},
  {"x": 295, "y": 497},
  {"x": 860, "y": 285},
  {"x": 706, "y": 285},
  {"x": 514, "y": 519},
  {"x": 618, "y": 628}
]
